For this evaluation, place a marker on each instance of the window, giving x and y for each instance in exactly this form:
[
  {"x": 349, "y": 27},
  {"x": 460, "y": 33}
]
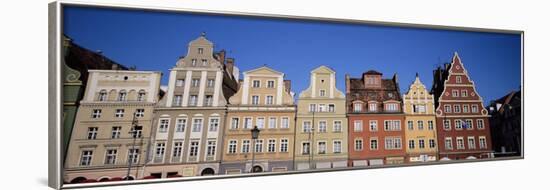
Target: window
[
  {"x": 271, "y": 84},
  {"x": 322, "y": 108},
  {"x": 180, "y": 82},
  {"x": 193, "y": 100},
  {"x": 374, "y": 144},
  {"x": 177, "y": 150},
  {"x": 136, "y": 131},
  {"x": 284, "y": 122},
  {"x": 391, "y": 107},
  {"x": 245, "y": 148},
  {"x": 272, "y": 123},
  {"x": 110, "y": 156},
  {"x": 456, "y": 108},
  {"x": 432, "y": 143},
  {"x": 471, "y": 143},
  {"x": 372, "y": 107},
  {"x": 337, "y": 126},
  {"x": 122, "y": 95},
  {"x": 159, "y": 150},
  {"x": 357, "y": 107},
  {"x": 247, "y": 123},
  {"x": 393, "y": 143},
  {"x": 421, "y": 144},
  {"x": 181, "y": 124},
  {"x": 119, "y": 113},
  {"x": 177, "y": 100},
  {"x": 133, "y": 155},
  {"x": 115, "y": 132},
  {"x": 474, "y": 109},
  {"x": 358, "y": 144},
  {"x": 447, "y": 124},
  {"x": 322, "y": 93},
  {"x": 458, "y": 79},
  {"x": 201, "y": 50},
  {"x": 419, "y": 108},
  {"x": 458, "y": 124},
  {"x": 447, "y": 109},
  {"x": 469, "y": 124},
  {"x": 306, "y": 127},
  {"x": 284, "y": 145},
  {"x": 337, "y": 146},
  {"x": 321, "y": 147},
  {"x": 197, "y": 125},
  {"x": 214, "y": 123},
  {"x": 211, "y": 148},
  {"x": 208, "y": 100},
  {"x": 193, "y": 62},
  {"x": 411, "y": 144},
  {"x": 392, "y": 125},
  {"x": 305, "y": 147},
  {"x": 449, "y": 143},
  {"x": 420, "y": 125},
  {"x": 210, "y": 83},
  {"x": 96, "y": 113},
  {"x": 430, "y": 125},
  {"x": 480, "y": 124},
  {"x": 140, "y": 112},
  {"x": 322, "y": 126},
  {"x": 312, "y": 107},
  {"x": 410, "y": 125},
  {"x": 194, "y": 149},
  {"x": 455, "y": 93},
  {"x": 466, "y": 108},
  {"x": 163, "y": 125},
  {"x": 482, "y": 142},
  {"x": 357, "y": 125},
  {"x": 271, "y": 145},
  {"x": 459, "y": 143},
  {"x": 464, "y": 93},
  {"x": 260, "y": 122},
  {"x": 204, "y": 62},
  {"x": 373, "y": 125},
  {"x": 258, "y": 146},
  {"x": 92, "y": 133},
  {"x": 256, "y": 84},
  {"x": 195, "y": 82},
  {"x": 232, "y": 147},
  {"x": 102, "y": 95},
  {"x": 86, "y": 158},
  {"x": 141, "y": 96},
  {"x": 255, "y": 100},
  {"x": 234, "y": 123},
  {"x": 331, "y": 108},
  {"x": 269, "y": 100}
]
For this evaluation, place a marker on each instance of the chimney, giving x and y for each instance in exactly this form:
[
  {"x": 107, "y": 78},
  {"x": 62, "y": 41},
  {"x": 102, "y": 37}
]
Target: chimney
[
  {"x": 287, "y": 85},
  {"x": 347, "y": 84}
]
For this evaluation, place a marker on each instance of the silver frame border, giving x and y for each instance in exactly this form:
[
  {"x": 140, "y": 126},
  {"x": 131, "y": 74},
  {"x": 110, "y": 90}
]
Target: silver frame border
[{"x": 55, "y": 91}]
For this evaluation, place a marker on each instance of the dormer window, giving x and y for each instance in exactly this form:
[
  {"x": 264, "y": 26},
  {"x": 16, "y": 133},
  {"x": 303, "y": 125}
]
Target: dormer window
[
  {"x": 201, "y": 50},
  {"x": 372, "y": 107},
  {"x": 391, "y": 107},
  {"x": 357, "y": 107}
]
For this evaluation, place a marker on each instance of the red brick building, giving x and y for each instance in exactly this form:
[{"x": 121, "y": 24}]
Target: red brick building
[
  {"x": 375, "y": 120},
  {"x": 462, "y": 121}
]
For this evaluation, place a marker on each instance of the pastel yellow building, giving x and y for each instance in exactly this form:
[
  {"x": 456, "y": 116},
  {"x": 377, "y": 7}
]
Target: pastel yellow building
[
  {"x": 420, "y": 132},
  {"x": 264, "y": 100},
  {"x": 321, "y": 133}
]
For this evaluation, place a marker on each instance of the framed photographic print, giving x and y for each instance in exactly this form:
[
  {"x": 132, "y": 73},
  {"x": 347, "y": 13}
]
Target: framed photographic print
[{"x": 149, "y": 94}]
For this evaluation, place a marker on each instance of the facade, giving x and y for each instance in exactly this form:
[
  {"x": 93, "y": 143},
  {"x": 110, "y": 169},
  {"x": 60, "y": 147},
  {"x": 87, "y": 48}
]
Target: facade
[
  {"x": 190, "y": 119},
  {"x": 264, "y": 100},
  {"x": 112, "y": 128},
  {"x": 322, "y": 127},
  {"x": 375, "y": 117},
  {"x": 506, "y": 124},
  {"x": 420, "y": 127},
  {"x": 463, "y": 123}
]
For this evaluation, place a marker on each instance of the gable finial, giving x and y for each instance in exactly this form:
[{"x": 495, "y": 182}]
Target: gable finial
[{"x": 203, "y": 34}]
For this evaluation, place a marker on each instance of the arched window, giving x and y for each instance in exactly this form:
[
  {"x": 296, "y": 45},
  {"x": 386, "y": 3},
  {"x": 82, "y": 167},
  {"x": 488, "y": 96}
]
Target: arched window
[
  {"x": 141, "y": 95},
  {"x": 102, "y": 95},
  {"x": 122, "y": 95}
]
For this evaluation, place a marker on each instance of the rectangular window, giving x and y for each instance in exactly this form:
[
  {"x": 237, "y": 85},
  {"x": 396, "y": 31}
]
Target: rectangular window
[
  {"x": 455, "y": 93},
  {"x": 181, "y": 123},
  {"x": 256, "y": 84},
  {"x": 245, "y": 148},
  {"x": 136, "y": 131},
  {"x": 211, "y": 148},
  {"x": 180, "y": 82},
  {"x": 140, "y": 112},
  {"x": 357, "y": 125},
  {"x": 358, "y": 144},
  {"x": 410, "y": 125},
  {"x": 411, "y": 144},
  {"x": 421, "y": 144},
  {"x": 420, "y": 125},
  {"x": 305, "y": 147},
  {"x": 163, "y": 125},
  {"x": 337, "y": 146},
  {"x": 459, "y": 143},
  {"x": 210, "y": 83},
  {"x": 260, "y": 122},
  {"x": 235, "y": 123},
  {"x": 255, "y": 100},
  {"x": 482, "y": 142},
  {"x": 357, "y": 107},
  {"x": 422, "y": 108},
  {"x": 271, "y": 145},
  {"x": 96, "y": 113},
  {"x": 321, "y": 147},
  {"x": 458, "y": 79},
  {"x": 214, "y": 124},
  {"x": 204, "y": 62},
  {"x": 322, "y": 126},
  {"x": 471, "y": 143},
  {"x": 464, "y": 93},
  {"x": 322, "y": 108},
  {"x": 474, "y": 109},
  {"x": 271, "y": 84},
  {"x": 306, "y": 127},
  {"x": 177, "y": 150},
  {"x": 372, "y": 107},
  {"x": 432, "y": 143},
  {"x": 119, "y": 113},
  {"x": 284, "y": 122},
  {"x": 373, "y": 125},
  {"x": 133, "y": 155},
  {"x": 322, "y": 93},
  {"x": 269, "y": 100},
  {"x": 247, "y": 123},
  {"x": 197, "y": 125},
  {"x": 92, "y": 133},
  {"x": 447, "y": 109},
  {"x": 447, "y": 124},
  {"x": 258, "y": 145},
  {"x": 141, "y": 96},
  {"x": 193, "y": 99},
  {"x": 337, "y": 126},
  {"x": 86, "y": 158},
  {"x": 115, "y": 132},
  {"x": 374, "y": 144},
  {"x": 391, "y": 107},
  {"x": 272, "y": 123},
  {"x": 177, "y": 100},
  {"x": 469, "y": 124},
  {"x": 193, "y": 62},
  {"x": 284, "y": 145},
  {"x": 458, "y": 124},
  {"x": 331, "y": 108},
  {"x": 201, "y": 50},
  {"x": 456, "y": 108},
  {"x": 159, "y": 151},
  {"x": 208, "y": 100},
  {"x": 393, "y": 143},
  {"x": 195, "y": 82},
  {"x": 312, "y": 107},
  {"x": 392, "y": 125},
  {"x": 430, "y": 125},
  {"x": 110, "y": 156},
  {"x": 480, "y": 124},
  {"x": 466, "y": 108},
  {"x": 194, "y": 149},
  {"x": 448, "y": 143}
]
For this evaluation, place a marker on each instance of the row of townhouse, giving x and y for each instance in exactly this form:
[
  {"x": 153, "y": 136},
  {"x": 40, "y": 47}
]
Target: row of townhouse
[{"x": 126, "y": 128}]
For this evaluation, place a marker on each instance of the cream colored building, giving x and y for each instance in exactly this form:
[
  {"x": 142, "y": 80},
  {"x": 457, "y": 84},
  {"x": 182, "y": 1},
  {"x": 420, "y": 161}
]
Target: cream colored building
[
  {"x": 420, "y": 131},
  {"x": 190, "y": 119},
  {"x": 322, "y": 127},
  {"x": 264, "y": 100},
  {"x": 102, "y": 142}
]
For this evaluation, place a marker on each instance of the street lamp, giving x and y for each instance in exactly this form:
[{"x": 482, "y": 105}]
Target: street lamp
[{"x": 255, "y": 132}]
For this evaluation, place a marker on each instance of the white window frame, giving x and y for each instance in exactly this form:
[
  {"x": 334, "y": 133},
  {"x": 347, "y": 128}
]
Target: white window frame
[
  {"x": 180, "y": 126},
  {"x": 254, "y": 82},
  {"x": 283, "y": 145},
  {"x": 272, "y": 123},
  {"x": 194, "y": 126},
  {"x": 337, "y": 127},
  {"x": 163, "y": 127},
  {"x": 358, "y": 125},
  {"x": 213, "y": 124},
  {"x": 337, "y": 146}
]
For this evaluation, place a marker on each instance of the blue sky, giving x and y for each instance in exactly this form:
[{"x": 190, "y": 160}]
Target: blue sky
[{"x": 154, "y": 41}]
